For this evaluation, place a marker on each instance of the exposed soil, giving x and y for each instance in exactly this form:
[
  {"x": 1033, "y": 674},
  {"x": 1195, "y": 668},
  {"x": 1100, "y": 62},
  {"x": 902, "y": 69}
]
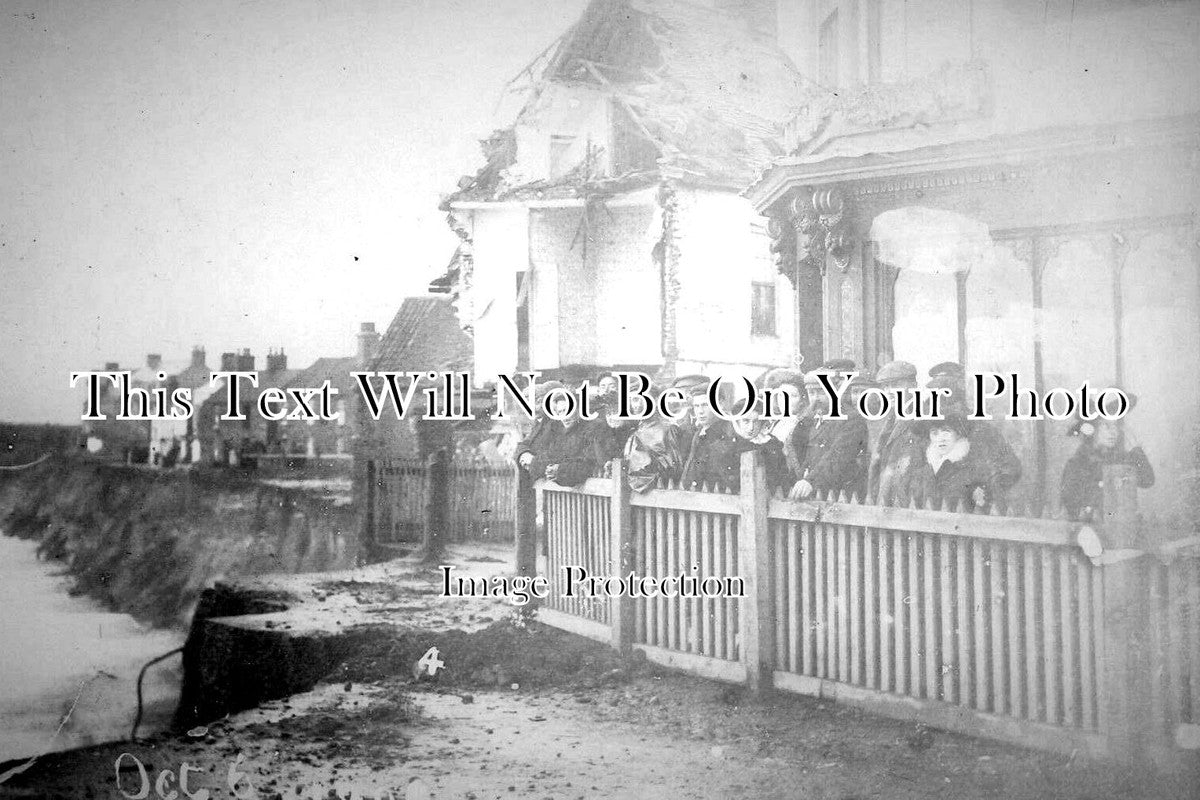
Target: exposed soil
[
  {"x": 146, "y": 542},
  {"x": 534, "y": 712}
]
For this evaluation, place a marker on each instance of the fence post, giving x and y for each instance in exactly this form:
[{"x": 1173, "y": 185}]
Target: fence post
[
  {"x": 1125, "y": 650},
  {"x": 525, "y": 524},
  {"x": 754, "y": 567},
  {"x": 621, "y": 522}
]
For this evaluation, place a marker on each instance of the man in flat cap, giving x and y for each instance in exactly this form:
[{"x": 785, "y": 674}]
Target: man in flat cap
[
  {"x": 896, "y": 438},
  {"x": 833, "y": 455}
]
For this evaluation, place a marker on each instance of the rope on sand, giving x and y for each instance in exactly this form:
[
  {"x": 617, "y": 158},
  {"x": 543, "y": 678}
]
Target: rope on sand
[{"x": 26, "y": 466}]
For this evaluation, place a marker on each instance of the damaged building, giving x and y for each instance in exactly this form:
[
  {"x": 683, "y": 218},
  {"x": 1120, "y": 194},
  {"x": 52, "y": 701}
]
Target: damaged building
[{"x": 607, "y": 226}]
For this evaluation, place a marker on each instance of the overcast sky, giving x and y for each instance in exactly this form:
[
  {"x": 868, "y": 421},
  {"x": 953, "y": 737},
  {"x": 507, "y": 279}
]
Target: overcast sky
[{"x": 232, "y": 174}]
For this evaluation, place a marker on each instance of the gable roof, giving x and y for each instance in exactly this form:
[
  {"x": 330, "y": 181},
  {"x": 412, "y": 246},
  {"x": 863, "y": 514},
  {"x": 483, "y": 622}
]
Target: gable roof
[
  {"x": 335, "y": 370},
  {"x": 711, "y": 95},
  {"x": 424, "y": 335}
]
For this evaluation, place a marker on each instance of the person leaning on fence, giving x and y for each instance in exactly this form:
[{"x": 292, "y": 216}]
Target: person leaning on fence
[
  {"x": 989, "y": 443},
  {"x": 713, "y": 454},
  {"x": 835, "y": 448},
  {"x": 655, "y": 449},
  {"x": 776, "y": 440},
  {"x": 953, "y": 468},
  {"x": 1102, "y": 443},
  {"x": 567, "y": 451},
  {"x": 614, "y": 430},
  {"x": 895, "y": 439}
]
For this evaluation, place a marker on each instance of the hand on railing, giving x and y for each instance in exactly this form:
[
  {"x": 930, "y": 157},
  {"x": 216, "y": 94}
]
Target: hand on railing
[{"x": 801, "y": 491}]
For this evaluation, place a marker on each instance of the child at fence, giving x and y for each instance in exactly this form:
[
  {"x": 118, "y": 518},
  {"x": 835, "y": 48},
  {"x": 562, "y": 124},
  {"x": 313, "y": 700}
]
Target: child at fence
[{"x": 1102, "y": 443}]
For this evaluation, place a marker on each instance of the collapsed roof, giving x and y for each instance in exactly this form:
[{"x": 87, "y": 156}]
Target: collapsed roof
[{"x": 697, "y": 85}]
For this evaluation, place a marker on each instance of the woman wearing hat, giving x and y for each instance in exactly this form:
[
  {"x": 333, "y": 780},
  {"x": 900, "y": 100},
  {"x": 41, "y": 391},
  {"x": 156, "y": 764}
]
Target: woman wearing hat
[
  {"x": 1102, "y": 443},
  {"x": 954, "y": 469},
  {"x": 776, "y": 439}
]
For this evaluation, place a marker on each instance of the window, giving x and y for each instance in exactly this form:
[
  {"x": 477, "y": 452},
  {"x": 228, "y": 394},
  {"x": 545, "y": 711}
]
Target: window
[
  {"x": 560, "y": 154},
  {"x": 762, "y": 309},
  {"x": 827, "y": 51}
]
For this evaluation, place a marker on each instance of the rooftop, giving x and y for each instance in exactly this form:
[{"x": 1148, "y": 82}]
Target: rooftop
[{"x": 711, "y": 96}]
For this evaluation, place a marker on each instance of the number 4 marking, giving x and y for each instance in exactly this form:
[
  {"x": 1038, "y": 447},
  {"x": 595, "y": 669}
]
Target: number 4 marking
[{"x": 430, "y": 662}]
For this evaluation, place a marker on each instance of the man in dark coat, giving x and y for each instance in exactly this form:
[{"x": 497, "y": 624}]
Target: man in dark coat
[
  {"x": 834, "y": 452},
  {"x": 895, "y": 438},
  {"x": 713, "y": 457},
  {"x": 567, "y": 451}
]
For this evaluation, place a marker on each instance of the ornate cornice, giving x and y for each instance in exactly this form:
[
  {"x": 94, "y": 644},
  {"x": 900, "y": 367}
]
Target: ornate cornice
[{"x": 939, "y": 180}]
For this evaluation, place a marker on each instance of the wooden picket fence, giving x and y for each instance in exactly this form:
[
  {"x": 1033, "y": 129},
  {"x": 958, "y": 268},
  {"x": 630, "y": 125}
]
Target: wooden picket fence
[
  {"x": 989, "y": 625},
  {"x": 482, "y": 498}
]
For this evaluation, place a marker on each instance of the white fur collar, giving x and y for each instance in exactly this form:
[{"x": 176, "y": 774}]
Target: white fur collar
[{"x": 957, "y": 452}]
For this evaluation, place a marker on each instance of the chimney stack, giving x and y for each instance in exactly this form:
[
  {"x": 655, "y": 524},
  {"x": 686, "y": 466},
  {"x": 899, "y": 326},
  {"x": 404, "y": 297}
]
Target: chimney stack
[
  {"x": 198, "y": 357},
  {"x": 112, "y": 366},
  {"x": 276, "y": 362},
  {"x": 245, "y": 361},
  {"x": 228, "y": 362},
  {"x": 153, "y": 360},
  {"x": 368, "y": 344}
]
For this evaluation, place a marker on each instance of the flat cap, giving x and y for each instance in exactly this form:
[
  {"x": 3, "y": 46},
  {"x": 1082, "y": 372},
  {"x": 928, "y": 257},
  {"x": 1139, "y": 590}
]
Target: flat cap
[
  {"x": 839, "y": 365},
  {"x": 896, "y": 371},
  {"x": 778, "y": 377},
  {"x": 948, "y": 368},
  {"x": 811, "y": 379},
  {"x": 692, "y": 384}
]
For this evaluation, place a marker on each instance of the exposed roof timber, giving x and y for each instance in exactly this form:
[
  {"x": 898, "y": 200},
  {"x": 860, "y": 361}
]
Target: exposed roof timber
[
  {"x": 1010, "y": 149},
  {"x": 640, "y": 197},
  {"x": 641, "y": 126}
]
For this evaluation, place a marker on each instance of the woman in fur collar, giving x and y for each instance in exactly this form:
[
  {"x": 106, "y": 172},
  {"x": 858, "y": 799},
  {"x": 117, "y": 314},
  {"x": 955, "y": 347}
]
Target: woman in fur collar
[{"x": 950, "y": 468}]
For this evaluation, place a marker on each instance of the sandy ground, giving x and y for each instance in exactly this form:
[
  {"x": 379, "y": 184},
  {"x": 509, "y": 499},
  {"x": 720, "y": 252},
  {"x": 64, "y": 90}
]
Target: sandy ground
[
  {"x": 657, "y": 737},
  {"x": 526, "y": 711}
]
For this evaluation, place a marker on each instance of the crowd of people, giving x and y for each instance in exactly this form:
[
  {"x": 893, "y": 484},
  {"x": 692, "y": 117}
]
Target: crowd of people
[{"x": 950, "y": 461}]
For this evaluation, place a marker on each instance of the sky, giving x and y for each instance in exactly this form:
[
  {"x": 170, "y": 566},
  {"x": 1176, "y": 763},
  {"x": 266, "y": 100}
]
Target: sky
[{"x": 255, "y": 174}]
